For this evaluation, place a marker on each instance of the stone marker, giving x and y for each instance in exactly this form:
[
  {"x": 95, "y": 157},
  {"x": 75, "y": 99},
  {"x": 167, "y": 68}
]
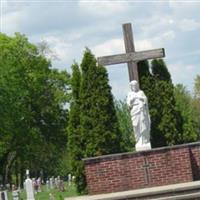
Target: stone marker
[
  {"x": 51, "y": 183},
  {"x": 56, "y": 182},
  {"x": 69, "y": 179},
  {"x": 4, "y": 195},
  {"x": 47, "y": 185},
  {"x": 38, "y": 181},
  {"x": 15, "y": 195},
  {"x": 29, "y": 187}
]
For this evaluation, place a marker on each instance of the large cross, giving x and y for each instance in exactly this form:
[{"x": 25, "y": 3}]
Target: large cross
[{"x": 131, "y": 57}]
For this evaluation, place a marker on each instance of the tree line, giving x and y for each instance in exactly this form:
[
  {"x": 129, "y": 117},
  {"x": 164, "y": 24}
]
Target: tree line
[{"x": 50, "y": 120}]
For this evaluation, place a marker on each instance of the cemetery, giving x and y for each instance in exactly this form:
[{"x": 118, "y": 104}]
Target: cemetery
[{"x": 64, "y": 135}]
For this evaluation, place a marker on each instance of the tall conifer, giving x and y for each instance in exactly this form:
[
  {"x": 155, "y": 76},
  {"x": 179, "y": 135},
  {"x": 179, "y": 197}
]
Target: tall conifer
[
  {"x": 74, "y": 134},
  {"x": 99, "y": 125},
  {"x": 170, "y": 124},
  {"x": 166, "y": 120},
  {"x": 94, "y": 128}
]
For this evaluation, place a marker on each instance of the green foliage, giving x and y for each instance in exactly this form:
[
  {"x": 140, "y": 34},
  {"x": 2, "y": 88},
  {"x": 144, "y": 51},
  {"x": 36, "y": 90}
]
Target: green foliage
[
  {"x": 160, "y": 71},
  {"x": 99, "y": 125},
  {"x": 184, "y": 105},
  {"x": 94, "y": 128},
  {"x": 32, "y": 115},
  {"x": 125, "y": 125},
  {"x": 197, "y": 87},
  {"x": 157, "y": 85},
  {"x": 74, "y": 135},
  {"x": 196, "y": 106}
]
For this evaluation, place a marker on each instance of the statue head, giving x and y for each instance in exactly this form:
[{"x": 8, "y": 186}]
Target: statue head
[{"x": 134, "y": 86}]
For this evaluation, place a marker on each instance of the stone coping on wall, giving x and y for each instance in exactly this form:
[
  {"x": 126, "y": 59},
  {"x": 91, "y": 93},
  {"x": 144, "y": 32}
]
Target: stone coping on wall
[
  {"x": 145, "y": 192},
  {"x": 139, "y": 153}
]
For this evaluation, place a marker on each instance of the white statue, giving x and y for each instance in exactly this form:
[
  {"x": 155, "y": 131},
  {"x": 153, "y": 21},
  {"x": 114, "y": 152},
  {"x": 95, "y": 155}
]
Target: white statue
[{"x": 138, "y": 104}]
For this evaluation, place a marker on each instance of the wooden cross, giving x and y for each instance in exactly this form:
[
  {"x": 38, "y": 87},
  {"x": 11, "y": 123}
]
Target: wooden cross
[
  {"x": 146, "y": 167},
  {"x": 131, "y": 57}
]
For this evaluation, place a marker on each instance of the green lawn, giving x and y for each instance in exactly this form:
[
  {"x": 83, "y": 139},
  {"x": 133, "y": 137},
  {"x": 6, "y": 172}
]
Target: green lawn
[{"x": 44, "y": 195}]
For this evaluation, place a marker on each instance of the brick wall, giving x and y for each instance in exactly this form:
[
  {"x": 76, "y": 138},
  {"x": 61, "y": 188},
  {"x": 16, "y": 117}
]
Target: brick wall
[{"x": 156, "y": 167}]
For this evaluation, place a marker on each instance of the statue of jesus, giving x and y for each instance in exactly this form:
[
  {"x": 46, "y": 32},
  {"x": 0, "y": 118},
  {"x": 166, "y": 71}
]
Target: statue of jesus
[{"x": 138, "y": 104}]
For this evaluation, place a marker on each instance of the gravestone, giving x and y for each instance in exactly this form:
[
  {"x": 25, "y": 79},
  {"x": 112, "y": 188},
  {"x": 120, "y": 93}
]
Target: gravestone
[
  {"x": 51, "y": 183},
  {"x": 61, "y": 186},
  {"x": 15, "y": 195},
  {"x": 69, "y": 179},
  {"x": 29, "y": 187},
  {"x": 47, "y": 185},
  {"x": 4, "y": 195},
  {"x": 56, "y": 182},
  {"x": 38, "y": 181}
]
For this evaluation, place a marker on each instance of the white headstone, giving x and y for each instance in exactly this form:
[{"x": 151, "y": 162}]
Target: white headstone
[
  {"x": 39, "y": 184},
  {"x": 47, "y": 185},
  {"x": 29, "y": 187},
  {"x": 4, "y": 195},
  {"x": 51, "y": 183},
  {"x": 15, "y": 194},
  {"x": 69, "y": 179}
]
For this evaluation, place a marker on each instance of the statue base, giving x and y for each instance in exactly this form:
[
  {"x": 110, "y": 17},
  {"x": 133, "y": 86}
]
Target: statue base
[{"x": 143, "y": 147}]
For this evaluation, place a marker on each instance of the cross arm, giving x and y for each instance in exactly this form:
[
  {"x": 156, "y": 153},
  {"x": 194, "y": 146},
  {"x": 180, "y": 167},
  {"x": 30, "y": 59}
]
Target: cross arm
[{"x": 132, "y": 56}]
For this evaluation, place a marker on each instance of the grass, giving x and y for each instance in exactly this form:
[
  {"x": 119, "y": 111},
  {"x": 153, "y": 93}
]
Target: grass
[{"x": 44, "y": 195}]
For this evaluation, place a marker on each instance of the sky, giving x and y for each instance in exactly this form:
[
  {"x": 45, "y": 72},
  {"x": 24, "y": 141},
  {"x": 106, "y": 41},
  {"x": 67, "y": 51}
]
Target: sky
[{"x": 70, "y": 26}]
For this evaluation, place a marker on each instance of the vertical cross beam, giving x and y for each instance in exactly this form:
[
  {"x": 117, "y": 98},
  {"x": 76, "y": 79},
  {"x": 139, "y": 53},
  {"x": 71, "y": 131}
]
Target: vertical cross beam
[
  {"x": 129, "y": 47},
  {"x": 146, "y": 167}
]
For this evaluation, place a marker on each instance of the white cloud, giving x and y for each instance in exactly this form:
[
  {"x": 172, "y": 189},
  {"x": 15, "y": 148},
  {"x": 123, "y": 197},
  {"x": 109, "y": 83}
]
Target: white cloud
[
  {"x": 141, "y": 45},
  {"x": 103, "y": 8},
  {"x": 10, "y": 21},
  {"x": 59, "y": 46},
  {"x": 189, "y": 25},
  {"x": 184, "y": 7},
  {"x": 183, "y": 73},
  {"x": 116, "y": 46},
  {"x": 109, "y": 47}
]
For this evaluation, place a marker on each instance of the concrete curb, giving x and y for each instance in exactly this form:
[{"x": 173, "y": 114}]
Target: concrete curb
[{"x": 182, "y": 187}]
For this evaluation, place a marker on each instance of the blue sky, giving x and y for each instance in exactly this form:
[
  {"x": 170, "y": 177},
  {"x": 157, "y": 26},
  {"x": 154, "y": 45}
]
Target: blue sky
[{"x": 70, "y": 26}]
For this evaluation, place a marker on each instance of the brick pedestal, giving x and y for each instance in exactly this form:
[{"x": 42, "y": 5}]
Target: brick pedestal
[{"x": 156, "y": 167}]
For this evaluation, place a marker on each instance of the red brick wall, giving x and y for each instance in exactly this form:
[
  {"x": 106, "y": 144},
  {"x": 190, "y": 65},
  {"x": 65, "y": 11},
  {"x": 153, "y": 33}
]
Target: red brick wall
[{"x": 126, "y": 171}]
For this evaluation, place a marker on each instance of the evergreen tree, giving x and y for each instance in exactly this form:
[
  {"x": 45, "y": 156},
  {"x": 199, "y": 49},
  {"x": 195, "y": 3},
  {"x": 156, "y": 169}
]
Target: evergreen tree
[
  {"x": 196, "y": 106},
  {"x": 74, "y": 137},
  {"x": 170, "y": 124},
  {"x": 197, "y": 87},
  {"x": 166, "y": 121},
  {"x": 125, "y": 124},
  {"x": 99, "y": 127},
  {"x": 99, "y": 124},
  {"x": 184, "y": 105},
  {"x": 160, "y": 71},
  {"x": 149, "y": 86}
]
